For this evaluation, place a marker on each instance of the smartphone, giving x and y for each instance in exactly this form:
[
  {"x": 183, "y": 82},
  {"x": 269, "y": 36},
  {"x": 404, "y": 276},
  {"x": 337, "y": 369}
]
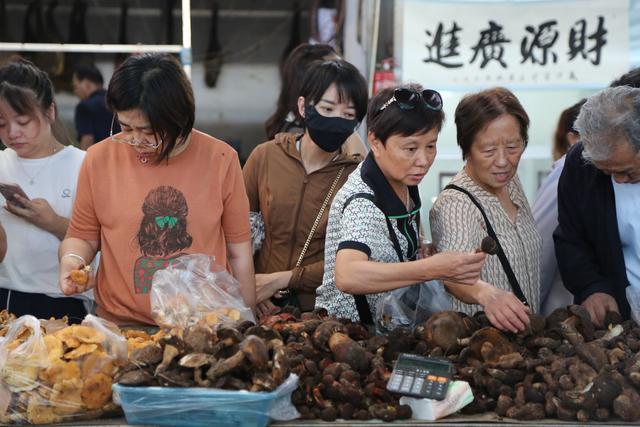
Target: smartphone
[{"x": 9, "y": 191}]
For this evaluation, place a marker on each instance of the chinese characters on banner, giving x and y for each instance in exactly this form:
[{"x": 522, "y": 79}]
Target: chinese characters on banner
[{"x": 563, "y": 43}]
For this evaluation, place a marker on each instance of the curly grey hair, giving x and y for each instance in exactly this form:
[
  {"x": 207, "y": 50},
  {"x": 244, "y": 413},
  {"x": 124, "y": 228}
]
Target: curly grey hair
[{"x": 609, "y": 118}]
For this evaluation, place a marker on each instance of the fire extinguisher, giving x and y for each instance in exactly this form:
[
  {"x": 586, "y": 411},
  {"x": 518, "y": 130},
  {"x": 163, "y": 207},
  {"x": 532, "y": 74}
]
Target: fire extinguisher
[{"x": 384, "y": 76}]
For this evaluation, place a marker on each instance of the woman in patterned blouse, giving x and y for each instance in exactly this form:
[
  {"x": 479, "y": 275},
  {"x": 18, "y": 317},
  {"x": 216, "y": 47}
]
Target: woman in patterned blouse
[
  {"x": 492, "y": 133},
  {"x": 372, "y": 244}
]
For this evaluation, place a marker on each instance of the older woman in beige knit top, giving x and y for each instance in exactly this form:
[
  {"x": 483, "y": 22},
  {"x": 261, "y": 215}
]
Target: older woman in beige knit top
[{"x": 487, "y": 195}]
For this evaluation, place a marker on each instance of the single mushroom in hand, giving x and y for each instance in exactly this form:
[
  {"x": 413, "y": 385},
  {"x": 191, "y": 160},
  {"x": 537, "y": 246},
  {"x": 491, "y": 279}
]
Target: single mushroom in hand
[{"x": 488, "y": 245}]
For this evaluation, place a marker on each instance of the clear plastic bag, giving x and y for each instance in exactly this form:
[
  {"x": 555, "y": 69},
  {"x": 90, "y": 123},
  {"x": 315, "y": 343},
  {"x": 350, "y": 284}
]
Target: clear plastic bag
[
  {"x": 409, "y": 306},
  {"x": 193, "y": 288},
  {"x": 200, "y": 407},
  {"x": 61, "y": 376}
]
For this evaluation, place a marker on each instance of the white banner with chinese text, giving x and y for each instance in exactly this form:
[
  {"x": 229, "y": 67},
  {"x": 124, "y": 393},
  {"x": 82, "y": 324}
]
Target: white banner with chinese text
[{"x": 579, "y": 43}]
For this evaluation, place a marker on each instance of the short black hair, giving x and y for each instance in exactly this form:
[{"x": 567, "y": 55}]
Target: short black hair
[
  {"x": 89, "y": 72},
  {"x": 349, "y": 82},
  {"x": 395, "y": 121},
  {"x": 156, "y": 84}
]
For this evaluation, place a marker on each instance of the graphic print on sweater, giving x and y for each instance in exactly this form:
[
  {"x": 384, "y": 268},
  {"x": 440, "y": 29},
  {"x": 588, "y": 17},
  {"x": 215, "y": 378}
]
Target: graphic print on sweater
[{"x": 162, "y": 234}]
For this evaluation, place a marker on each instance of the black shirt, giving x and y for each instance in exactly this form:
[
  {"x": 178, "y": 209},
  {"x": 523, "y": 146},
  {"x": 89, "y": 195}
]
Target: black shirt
[
  {"x": 587, "y": 242},
  {"x": 93, "y": 117}
]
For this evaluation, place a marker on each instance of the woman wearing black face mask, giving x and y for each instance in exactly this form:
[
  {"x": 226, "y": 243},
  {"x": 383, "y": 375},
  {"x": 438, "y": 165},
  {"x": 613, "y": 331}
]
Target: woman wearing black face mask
[{"x": 291, "y": 182}]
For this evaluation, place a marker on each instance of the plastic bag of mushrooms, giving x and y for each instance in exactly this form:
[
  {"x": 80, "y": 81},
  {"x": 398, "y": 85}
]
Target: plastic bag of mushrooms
[
  {"x": 194, "y": 288},
  {"x": 52, "y": 372}
]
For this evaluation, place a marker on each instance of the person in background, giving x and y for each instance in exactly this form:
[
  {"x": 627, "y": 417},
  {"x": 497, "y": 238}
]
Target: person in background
[
  {"x": 598, "y": 235},
  {"x": 3, "y": 243},
  {"x": 372, "y": 244},
  {"x": 92, "y": 116},
  {"x": 47, "y": 171},
  {"x": 155, "y": 191},
  {"x": 566, "y": 136},
  {"x": 287, "y": 118},
  {"x": 291, "y": 180},
  {"x": 553, "y": 294},
  {"x": 492, "y": 131}
]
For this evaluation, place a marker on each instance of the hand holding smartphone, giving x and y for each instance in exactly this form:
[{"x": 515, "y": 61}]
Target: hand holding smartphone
[{"x": 9, "y": 192}]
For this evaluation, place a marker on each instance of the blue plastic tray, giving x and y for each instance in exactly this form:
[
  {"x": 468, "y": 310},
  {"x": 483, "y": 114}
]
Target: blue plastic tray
[{"x": 174, "y": 406}]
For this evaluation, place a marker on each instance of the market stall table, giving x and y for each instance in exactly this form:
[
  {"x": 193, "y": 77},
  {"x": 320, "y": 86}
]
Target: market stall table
[{"x": 453, "y": 421}]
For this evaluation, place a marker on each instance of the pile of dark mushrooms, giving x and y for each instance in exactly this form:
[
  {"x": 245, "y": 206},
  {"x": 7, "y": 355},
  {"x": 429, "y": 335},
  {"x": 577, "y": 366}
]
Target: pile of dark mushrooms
[
  {"x": 560, "y": 367},
  {"x": 341, "y": 376}
]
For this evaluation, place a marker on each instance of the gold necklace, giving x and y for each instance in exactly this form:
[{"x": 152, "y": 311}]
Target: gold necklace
[{"x": 32, "y": 178}]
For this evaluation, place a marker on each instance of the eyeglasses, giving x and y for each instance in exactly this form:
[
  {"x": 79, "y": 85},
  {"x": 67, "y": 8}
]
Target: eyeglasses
[
  {"x": 408, "y": 99},
  {"x": 130, "y": 139}
]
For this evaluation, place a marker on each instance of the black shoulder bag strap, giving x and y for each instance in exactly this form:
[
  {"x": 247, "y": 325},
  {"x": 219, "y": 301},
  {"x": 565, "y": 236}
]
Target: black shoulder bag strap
[
  {"x": 513, "y": 281},
  {"x": 364, "y": 311}
]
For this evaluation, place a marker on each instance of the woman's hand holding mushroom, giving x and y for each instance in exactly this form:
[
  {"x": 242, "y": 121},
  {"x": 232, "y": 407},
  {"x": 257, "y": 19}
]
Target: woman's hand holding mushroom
[
  {"x": 69, "y": 265},
  {"x": 504, "y": 310}
]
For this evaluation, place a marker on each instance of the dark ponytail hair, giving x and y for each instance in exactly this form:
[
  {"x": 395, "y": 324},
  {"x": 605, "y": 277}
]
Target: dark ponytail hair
[
  {"x": 25, "y": 87},
  {"x": 291, "y": 76}
]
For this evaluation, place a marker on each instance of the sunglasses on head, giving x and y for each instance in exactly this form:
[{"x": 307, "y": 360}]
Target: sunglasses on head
[{"x": 408, "y": 99}]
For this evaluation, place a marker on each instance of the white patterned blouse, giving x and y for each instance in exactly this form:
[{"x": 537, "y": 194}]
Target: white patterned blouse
[{"x": 359, "y": 223}]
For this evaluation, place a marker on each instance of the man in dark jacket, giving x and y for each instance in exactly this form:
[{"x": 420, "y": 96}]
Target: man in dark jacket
[
  {"x": 92, "y": 118},
  {"x": 598, "y": 237}
]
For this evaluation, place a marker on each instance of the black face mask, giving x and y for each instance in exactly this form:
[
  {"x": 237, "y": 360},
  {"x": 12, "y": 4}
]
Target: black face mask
[{"x": 328, "y": 133}]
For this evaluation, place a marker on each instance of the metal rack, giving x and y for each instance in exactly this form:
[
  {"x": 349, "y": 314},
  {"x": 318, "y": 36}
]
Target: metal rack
[{"x": 183, "y": 49}]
